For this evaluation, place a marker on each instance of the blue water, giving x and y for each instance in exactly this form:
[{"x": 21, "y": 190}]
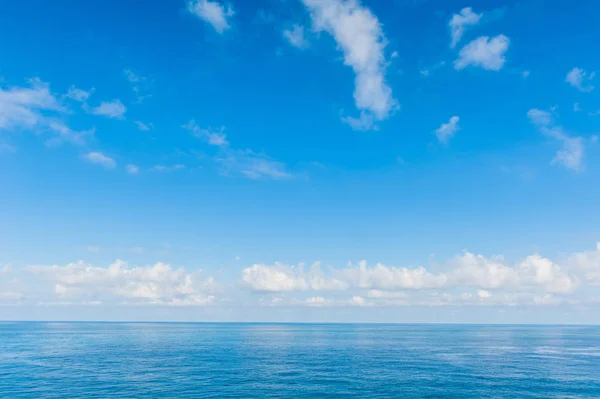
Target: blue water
[{"x": 110, "y": 360}]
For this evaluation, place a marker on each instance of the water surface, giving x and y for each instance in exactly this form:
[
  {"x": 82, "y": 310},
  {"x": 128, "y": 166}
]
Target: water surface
[{"x": 162, "y": 360}]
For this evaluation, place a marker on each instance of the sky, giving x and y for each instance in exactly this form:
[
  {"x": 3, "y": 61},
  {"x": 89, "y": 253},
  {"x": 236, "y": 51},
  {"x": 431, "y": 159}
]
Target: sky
[{"x": 300, "y": 161}]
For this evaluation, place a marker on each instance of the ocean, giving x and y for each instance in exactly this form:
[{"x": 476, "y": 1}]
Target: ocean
[{"x": 197, "y": 360}]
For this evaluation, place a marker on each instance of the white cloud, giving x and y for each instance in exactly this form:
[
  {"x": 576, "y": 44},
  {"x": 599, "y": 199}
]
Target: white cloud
[
  {"x": 580, "y": 79},
  {"x": 139, "y": 85},
  {"x": 540, "y": 117},
  {"x": 143, "y": 126},
  {"x": 587, "y": 262},
  {"x": 110, "y": 109},
  {"x": 273, "y": 279},
  {"x": 93, "y": 249},
  {"x": 576, "y": 107},
  {"x": 132, "y": 169},
  {"x": 572, "y": 152},
  {"x": 358, "y": 33},
  {"x": 79, "y": 95},
  {"x": 296, "y": 36},
  {"x": 525, "y": 74},
  {"x": 213, "y": 13},
  {"x": 246, "y": 162},
  {"x": 281, "y": 278},
  {"x": 213, "y": 137},
  {"x": 100, "y": 159},
  {"x": 252, "y": 165},
  {"x": 165, "y": 168},
  {"x": 460, "y": 21},
  {"x": 315, "y": 301},
  {"x": 484, "y": 52},
  {"x": 36, "y": 109},
  {"x": 447, "y": 130},
  {"x": 63, "y": 134},
  {"x": 159, "y": 284},
  {"x": 382, "y": 277}
]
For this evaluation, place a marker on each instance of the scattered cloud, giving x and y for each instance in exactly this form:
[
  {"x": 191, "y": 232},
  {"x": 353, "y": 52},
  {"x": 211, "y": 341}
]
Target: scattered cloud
[
  {"x": 358, "y": 34},
  {"x": 37, "y": 109},
  {"x": 139, "y": 84},
  {"x": 580, "y": 79},
  {"x": 100, "y": 159},
  {"x": 484, "y": 52},
  {"x": 234, "y": 161},
  {"x": 144, "y": 127},
  {"x": 252, "y": 165},
  {"x": 576, "y": 107},
  {"x": 447, "y": 130},
  {"x": 427, "y": 71},
  {"x": 164, "y": 168},
  {"x": 111, "y": 109},
  {"x": 213, "y": 137},
  {"x": 296, "y": 37},
  {"x": 132, "y": 169},
  {"x": 459, "y": 22},
  {"x": 79, "y": 95},
  {"x": 212, "y": 12},
  {"x": 571, "y": 154}
]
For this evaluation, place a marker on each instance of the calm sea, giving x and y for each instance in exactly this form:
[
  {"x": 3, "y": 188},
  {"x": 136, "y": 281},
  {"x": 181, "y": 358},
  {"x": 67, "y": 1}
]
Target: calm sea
[{"x": 114, "y": 360}]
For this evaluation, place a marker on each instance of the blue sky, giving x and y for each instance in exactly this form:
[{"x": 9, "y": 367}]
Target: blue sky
[{"x": 195, "y": 160}]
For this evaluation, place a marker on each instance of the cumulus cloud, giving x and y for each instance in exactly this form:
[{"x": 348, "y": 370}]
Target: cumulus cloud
[
  {"x": 159, "y": 284},
  {"x": 111, "y": 109},
  {"x": 296, "y": 37},
  {"x": 447, "y": 130},
  {"x": 459, "y": 22},
  {"x": 580, "y": 79},
  {"x": 587, "y": 262},
  {"x": 212, "y": 12},
  {"x": 281, "y": 278},
  {"x": 99, "y": 158},
  {"x": 484, "y": 52},
  {"x": 572, "y": 148},
  {"x": 359, "y": 35}
]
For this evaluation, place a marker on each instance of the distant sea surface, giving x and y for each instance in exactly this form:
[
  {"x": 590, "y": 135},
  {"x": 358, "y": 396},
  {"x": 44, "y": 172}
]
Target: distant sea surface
[{"x": 118, "y": 360}]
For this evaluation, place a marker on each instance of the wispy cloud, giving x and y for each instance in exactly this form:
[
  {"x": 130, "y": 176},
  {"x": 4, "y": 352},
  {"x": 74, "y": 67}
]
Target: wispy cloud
[
  {"x": 447, "y": 130},
  {"x": 572, "y": 152},
  {"x": 212, "y": 12},
  {"x": 79, "y": 95},
  {"x": 99, "y": 158},
  {"x": 580, "y": 79},
  {"x": 235, "y": 161},
  {"x": 213, "y": 137},
  {"x": 132, "y": 169},
  {"x": 36, "y": 108},
  {"x": 484, "y": 52},
  {"x": 359, "y": 35},
  {"x": 167, "y": 168},
  {"x": 145, "y": 127},
  {"x": 139, "y": 85},
  {"x": 296, "y": 36},
  {"x": 459, "y": 22},
  {"x": 111, "y": 109}
]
